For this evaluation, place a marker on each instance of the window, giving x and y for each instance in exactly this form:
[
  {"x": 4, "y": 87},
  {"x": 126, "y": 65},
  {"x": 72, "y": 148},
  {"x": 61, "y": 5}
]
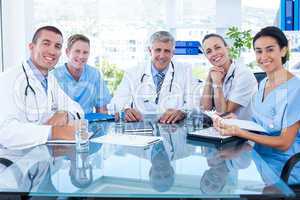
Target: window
[
  {"x": 119, "y": 29},
  {"x": 1, "y": 42},
  {"x": 257, "y": 14}
]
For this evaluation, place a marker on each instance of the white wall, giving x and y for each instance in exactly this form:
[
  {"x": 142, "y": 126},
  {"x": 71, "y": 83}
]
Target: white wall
[
  {"x": 16, "y": 30},
  {"x": 228, "y": 13}
]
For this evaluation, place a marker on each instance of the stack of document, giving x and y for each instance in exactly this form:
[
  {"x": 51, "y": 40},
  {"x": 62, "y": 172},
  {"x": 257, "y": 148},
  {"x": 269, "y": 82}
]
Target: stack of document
[
  {"x": 135, "y": 127},
  {"x": 128, "y": 140}
]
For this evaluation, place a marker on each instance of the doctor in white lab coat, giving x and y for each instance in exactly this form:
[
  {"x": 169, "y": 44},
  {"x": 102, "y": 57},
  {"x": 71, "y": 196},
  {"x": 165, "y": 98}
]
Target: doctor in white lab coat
[
  {"x": 142, "y": 92},
  {"x": 35, "y": 110}
]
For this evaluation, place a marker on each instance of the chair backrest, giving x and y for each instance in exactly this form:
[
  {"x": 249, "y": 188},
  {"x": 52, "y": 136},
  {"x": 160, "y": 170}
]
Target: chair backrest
[
  {"x": 286, "y": 171},
  {"x": 260, "y": 76}
]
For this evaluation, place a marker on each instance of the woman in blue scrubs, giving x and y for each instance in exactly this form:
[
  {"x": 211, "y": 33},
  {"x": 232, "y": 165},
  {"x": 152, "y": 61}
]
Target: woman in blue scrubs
[{"x": 276, "y": 105}]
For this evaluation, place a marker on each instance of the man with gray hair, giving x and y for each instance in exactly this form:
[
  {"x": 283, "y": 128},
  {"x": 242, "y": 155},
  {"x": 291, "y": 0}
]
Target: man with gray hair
[{"x": 159, "y": 87}]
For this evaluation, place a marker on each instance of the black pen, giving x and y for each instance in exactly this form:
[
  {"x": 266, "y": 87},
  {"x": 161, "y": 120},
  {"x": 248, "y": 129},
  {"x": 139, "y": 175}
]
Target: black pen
[
  {"x": 154, "y": 141},
  {"x": 224, "y": 114},
  {"x": 78, "y": 116}
]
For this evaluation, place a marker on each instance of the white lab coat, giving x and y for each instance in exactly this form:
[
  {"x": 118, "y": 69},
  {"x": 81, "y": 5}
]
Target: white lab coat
[
  {"x": 141, "y": 94},
  {"x": 34, "y": 161},
  {"x": 15, "y": 130}
]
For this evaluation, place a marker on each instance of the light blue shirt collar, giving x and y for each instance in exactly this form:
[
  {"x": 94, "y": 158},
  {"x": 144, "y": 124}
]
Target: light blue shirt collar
[
  {"x": 38, "y": 74},
  {"x": 154, "y": 71}
]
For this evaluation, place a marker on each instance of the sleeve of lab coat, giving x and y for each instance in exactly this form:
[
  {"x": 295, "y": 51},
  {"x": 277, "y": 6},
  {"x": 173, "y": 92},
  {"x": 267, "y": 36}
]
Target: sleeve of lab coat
[
  {"x": 64, "y": 102},
  {"x": 15, "y": 134},
  {"x": 123, "y": 96},
  {"x": 15, "y": 131}
]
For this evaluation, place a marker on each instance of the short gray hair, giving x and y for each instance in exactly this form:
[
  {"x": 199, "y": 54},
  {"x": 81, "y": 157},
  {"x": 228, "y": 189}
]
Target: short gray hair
[{"x": 162, "y": 36}]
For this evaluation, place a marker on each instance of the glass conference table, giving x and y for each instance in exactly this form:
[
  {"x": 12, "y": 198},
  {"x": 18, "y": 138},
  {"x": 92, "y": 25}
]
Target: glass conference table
[{"x": 173, "y": 168}]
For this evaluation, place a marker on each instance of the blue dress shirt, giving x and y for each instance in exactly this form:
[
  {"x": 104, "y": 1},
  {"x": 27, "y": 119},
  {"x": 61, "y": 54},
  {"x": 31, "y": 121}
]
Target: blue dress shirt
[{"x": 155, "y": 72}]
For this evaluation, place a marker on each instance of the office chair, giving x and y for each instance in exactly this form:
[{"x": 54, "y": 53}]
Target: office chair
[
  {"x": 260, "y": 76},
  {"x": 6, "y": 162},
  {"x": 286, "y": 171}
]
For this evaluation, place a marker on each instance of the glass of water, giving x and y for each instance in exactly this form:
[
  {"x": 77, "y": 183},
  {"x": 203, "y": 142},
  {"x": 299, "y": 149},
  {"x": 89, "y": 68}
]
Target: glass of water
[
  {"x": 82, "y": 134},
  {"x": 119, "y": 119},
  {"x": 198, "y": 118},
  {"x": 189, "y": 121}
]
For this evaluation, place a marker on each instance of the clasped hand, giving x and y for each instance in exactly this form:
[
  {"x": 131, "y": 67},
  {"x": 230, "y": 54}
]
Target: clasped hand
[{"x": 217, "y": 74}]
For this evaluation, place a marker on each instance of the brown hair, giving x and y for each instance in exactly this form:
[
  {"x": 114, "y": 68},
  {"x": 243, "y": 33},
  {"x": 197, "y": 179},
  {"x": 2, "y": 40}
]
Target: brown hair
[
  {"x": 77, "y": 37},
  {"x": 37, "y": 33}
]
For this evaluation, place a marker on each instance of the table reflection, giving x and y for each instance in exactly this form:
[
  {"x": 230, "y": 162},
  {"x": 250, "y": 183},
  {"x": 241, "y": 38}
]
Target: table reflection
[{"x": 175, "y": 167}]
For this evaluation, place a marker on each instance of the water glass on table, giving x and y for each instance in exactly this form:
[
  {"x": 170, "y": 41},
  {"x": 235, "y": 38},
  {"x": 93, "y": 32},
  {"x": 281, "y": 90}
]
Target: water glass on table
[
  {"x": 198, "y": 118},
  {"x": 81, "y": 134}
]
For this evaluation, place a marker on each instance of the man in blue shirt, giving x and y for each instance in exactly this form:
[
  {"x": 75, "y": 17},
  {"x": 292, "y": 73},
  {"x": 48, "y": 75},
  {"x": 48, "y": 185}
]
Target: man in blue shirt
[{"x": 80, "y": 81}]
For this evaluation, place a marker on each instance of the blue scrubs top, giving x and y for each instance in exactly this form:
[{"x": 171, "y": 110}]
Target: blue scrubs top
[
  {"x": 280, "y": 109},
  {"x": 89, "y": 91}
]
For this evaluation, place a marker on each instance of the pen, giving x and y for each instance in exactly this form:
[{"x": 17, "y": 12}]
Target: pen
[
  {"x": 224, "y": 114},
  {"x": 78, "y": 116},
  {"x": 154, "y": 141}
]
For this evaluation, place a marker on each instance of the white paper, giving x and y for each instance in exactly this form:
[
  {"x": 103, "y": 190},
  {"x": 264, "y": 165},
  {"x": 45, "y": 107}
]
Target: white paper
[
  {"x": 127, "y": 140},
  {"x": 66, "y": 141},
  {"x": 210, "y": 132},
  {"x": 245, "y": 124}
]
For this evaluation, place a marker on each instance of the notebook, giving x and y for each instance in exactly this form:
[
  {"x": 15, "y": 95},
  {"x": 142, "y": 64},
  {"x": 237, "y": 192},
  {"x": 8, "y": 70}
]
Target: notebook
[{"x": 93, "y": 117}]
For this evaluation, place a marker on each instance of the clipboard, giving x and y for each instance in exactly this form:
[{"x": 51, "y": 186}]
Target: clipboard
[
  {"x": 94, "y": 117},
  {"x": 210, "y": 135}
]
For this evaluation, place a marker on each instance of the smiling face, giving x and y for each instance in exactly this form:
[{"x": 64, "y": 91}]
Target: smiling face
[
  {"x": 46, "y": 51},
  {"x": 269, "y": 54},
  {"x": 161, "y": 54},
  {"x": 78, "y": 54},
  {"x": 216, "y": 51}
]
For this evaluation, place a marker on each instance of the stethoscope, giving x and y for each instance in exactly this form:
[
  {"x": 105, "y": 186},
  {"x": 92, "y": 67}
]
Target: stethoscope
[
  {"x": 158, "y": 92},
  {"x": 230, "y": 78},
  {"x": 28, "y": 89},
  {"x": 26, "y": 92}
]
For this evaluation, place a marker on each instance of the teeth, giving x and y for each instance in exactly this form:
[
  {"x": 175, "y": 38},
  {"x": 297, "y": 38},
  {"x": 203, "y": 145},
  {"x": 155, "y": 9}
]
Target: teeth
[
  {"x": 49, "y": 58},
  {"x": 265, "y": 63}
]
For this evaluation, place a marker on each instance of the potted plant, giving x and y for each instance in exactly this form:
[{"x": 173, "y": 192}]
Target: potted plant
[{"x": 241, "y": 41}]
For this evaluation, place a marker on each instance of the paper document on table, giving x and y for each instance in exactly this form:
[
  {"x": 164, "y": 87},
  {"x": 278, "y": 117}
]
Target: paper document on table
[
  {"x": 128, "y": 140},
  {"x": 209, "y": 132},
  {"x": 245, "y": 124},
  {"x": 66, "y": 141}
]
